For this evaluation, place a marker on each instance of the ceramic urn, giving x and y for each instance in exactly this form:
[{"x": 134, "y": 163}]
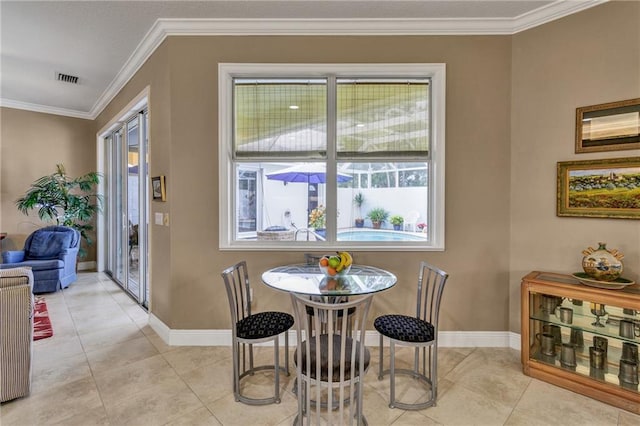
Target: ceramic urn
[{"x": 602, "y": 264}]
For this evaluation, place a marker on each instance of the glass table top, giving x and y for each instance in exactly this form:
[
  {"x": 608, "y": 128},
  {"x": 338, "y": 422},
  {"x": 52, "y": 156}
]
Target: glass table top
[{"x": 308, "y": 279}]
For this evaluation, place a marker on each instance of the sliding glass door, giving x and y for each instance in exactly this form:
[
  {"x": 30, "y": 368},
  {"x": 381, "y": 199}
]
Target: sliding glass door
[{"x": 127, "y": 205}]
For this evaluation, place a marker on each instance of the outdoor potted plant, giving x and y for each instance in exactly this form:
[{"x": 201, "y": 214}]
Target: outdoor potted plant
[
  {"x": 358, "y": 200},
  {"x": 397, "y": 221},
  {"x": 318, "y": 220},
  {"x": 378, "y": 216},
  {"x": 65, "y": 200}
]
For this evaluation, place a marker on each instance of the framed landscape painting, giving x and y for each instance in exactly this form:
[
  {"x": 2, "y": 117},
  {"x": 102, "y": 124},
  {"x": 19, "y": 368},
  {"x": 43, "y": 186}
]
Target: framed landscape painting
[{"x": 599, "y": 188}]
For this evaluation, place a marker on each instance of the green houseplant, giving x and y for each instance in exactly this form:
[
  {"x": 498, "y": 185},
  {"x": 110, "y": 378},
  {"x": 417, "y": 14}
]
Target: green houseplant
[
  {"x": 397, "y": 221},
  {"x": 64, "y": 200},
  {"x": 358, "y": 200},
  {"x": 378, "y": 216}
]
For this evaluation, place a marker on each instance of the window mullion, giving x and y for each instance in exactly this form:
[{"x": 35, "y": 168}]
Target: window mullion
[{"x": 331, "y": 185}]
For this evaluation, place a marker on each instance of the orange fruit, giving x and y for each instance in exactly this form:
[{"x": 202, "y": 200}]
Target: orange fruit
[
  {"x": 324, "y": 261},
  {"x": 331, "y": 271}
]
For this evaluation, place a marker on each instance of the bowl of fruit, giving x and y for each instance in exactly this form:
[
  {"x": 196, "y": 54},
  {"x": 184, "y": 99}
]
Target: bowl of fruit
[{"x": 336, "y": 265}]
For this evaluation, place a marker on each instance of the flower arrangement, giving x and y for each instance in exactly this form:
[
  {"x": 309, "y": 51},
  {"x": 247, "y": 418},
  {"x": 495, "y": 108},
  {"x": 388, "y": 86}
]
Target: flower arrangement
[
  {"x": 421, "y": 226},
  {"x": 317, "y": 218}
]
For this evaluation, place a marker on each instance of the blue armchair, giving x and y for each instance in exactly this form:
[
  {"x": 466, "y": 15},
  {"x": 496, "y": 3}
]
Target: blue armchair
[{"x": 51, "y": 252}]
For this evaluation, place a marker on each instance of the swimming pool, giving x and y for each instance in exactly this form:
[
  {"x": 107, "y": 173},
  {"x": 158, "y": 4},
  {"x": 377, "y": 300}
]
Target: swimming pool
[{"x": 378, "y": 236}]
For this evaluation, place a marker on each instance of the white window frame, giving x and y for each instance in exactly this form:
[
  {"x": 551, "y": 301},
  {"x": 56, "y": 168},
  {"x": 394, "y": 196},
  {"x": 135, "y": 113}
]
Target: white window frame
[{"x": 228, "y": 71}]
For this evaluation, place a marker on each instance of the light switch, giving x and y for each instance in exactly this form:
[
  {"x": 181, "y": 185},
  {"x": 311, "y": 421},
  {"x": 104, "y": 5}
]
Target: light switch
[
  {"x": 158, "y": 219},
  {"x": 166, "y": 219}
]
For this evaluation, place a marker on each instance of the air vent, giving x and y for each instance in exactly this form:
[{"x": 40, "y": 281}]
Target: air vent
[{"x": 67, "y": 78}]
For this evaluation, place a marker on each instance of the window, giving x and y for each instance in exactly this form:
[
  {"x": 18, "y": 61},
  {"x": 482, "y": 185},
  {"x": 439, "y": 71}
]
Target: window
[{"x": 326, "y": 155}]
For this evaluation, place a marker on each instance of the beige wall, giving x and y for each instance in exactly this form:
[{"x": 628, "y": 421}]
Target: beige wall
[
  {"x": 585, "y": 59},
  {"x": 188, "y": 294},
  {"x": 31, "y": 144},
  {"x": 155, "y": 76}
]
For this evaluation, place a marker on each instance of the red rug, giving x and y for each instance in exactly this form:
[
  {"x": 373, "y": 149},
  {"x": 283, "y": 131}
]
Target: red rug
[{"x": 41, "y": 322}]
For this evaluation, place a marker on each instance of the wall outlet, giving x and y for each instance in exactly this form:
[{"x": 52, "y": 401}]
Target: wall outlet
[{"x": 166, "y": 219}]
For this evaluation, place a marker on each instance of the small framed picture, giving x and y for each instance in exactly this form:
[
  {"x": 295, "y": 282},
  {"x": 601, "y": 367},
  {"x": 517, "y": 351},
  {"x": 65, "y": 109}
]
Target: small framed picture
[
  {"x": 158, "y": 188},
  {"x": 607, "y": 188},
  {"x": 613, "y": 126}
]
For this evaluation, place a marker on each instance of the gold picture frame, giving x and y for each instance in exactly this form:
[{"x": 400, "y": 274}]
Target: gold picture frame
[
  {"x": 158, "y": 188},
  {"x": 607, "y": 188},
  {"x": 613, "y": 126}
]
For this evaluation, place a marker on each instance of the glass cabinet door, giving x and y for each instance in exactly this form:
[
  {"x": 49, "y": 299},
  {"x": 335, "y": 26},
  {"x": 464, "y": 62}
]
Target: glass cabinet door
[{"x": 587, "y": 337}]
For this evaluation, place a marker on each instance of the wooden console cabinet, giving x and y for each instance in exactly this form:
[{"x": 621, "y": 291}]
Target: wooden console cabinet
[{"x": 539, "y": 291}]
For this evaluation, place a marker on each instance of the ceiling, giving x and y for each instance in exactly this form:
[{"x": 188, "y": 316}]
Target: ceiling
[{"x": 103, "y": 43}]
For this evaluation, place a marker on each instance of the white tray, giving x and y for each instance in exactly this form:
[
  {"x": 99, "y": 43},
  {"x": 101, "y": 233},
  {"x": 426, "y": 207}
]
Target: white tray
[{"x": 617, "y": 284}]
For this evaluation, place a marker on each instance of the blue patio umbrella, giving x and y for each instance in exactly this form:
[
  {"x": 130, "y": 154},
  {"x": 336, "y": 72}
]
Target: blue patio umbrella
[
  {"x": 306, "y": 173},
  {"x": 309, "y": 173}
]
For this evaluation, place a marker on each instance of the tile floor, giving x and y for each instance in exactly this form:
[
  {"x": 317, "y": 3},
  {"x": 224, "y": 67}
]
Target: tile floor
[{"x": 108, "y": 367}]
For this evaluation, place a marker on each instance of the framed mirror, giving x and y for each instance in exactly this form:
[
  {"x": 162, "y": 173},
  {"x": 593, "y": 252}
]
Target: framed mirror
[{"x": 613, "y": 126}]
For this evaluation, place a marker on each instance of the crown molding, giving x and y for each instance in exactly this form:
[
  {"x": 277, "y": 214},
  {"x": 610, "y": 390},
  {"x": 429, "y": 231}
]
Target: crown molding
[
  {"x": 149, "y": 43},
  {"x": 329, "y": 27},
  {"x": 551, "y": 12},
  {"x": 163, "y": 28},
  {"x": 10, "y": 103}
]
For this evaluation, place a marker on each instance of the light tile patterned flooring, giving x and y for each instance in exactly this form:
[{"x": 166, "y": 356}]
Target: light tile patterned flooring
[{"x": 106, "y": 366}]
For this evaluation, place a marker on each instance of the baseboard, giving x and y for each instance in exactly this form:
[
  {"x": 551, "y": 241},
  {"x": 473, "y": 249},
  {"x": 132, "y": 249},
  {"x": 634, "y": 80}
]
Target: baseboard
[
  {"x": 161, "y": 328},
  {"x": 514, "y": 341},
  {"x": 479, "y": 339},
  {"x": 87, "y": 266},
  {"x": 450, "y": 339}
]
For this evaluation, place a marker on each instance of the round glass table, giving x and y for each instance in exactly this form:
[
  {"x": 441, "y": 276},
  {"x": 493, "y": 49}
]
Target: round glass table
[{"x": 304, "y": 278}]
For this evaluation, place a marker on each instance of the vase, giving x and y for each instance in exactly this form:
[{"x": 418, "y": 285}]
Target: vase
[
  {"x": 322, "y": 232},
  {"x": 602, "y": 264}
]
